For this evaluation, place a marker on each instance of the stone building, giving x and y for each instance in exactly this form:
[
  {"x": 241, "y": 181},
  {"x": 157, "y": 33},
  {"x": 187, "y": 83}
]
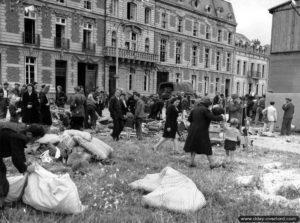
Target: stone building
[
  {"x": 195, "y": 43},
  {"x": 130, "y": 60},
  {"x": 250, "y": 67},
  {"x": 129, "y": 44},
  {"x": 53, "y": 42}
]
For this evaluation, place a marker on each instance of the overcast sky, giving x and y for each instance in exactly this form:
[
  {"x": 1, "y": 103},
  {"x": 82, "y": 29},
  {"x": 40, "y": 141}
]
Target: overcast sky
[{"x": 254, "y": 19}]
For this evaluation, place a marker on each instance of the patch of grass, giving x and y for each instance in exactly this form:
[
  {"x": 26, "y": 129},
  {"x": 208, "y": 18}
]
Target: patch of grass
[{"x": 105, "y": 188}]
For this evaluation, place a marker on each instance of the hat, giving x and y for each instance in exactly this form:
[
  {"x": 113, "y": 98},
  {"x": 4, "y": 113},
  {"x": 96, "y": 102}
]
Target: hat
[
  {"x": 205, "y": 101},
  {"x": 17, "y": 84},
  {"x": 234, "y": 96},
  {"x": 5, "y": 83},
  {"x": 31, "y": 85},
  {"x": 289, "y": 99}
]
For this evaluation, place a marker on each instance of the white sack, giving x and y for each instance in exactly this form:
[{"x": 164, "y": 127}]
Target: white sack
[
  {"x": 68, "y": 141},
  {"x": 87, "y": 136},
  {"x": 49, "y": 138},
  {"x": 16, "y": 187},
  {"x": 48, "y": 192},
  {"x": 171, "y": 190},
  {"x": 96, "y": 147}
]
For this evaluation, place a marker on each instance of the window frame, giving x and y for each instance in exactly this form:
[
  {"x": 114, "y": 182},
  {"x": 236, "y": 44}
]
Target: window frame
[
  {"x": 132, "y": 14},
  {"x": 163, "y": 50},
  {"x": 29, "y": 64},
  {"x": 194, "y": 56},
  {"x": 178, "y": 53},
  {"x": 87, "y": 3},
  {"x": 218, "y": 60},
  {"x": 180, "y": 25},
  {"x": 207, "y": 53},
  {"x": 147, "y": 15},
  {"x": 207, "y": 32}
]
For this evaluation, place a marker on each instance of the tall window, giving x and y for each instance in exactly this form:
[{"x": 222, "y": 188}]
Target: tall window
[
  {"x": 238, "y": 88},
  {"x": 87, "y": 4},
  {"x": 178, "y": 78},
  {"x": 164, "y": 20},
  {"x": 262, "y": 89},
  {"x": 258, "y": 70},
  {"x": 243, "y": 88},
  {"x": 146, "y": 80},
  {"x": 114, "y": 39},
  {"x": 238, "y": 67},
  {"x": 218, "y": 60},
  {"x": 230, "y": 38},
  {"x": 228, "y": 63},
  {"x": 195, "y": 29},
  {"x": 147, "y": 45},
  {"x": 206, "y": 58},
  {"x": 252, "y": 69},
  {"x": 207, "y": 32},
  {"x": 87, "y": 35},
  {"x": 30, "y": 70},
  {"x": 115, "y": 7},
  {"x": 147, "y": 15},
  {"x": 263, "y": 71},
  {"x": 206, "y": 84},
  {"x": 179, "y": 27},
  {"x": 60, "y": 32},
  {"x": 217, "y": 86},
  {"x": 131, "y": 11},
  {"x": 244, "y": 68},
  {"x": 194, "y": 82},
  {"x": 219, "y": 35},
  {"x": 194, "y": 57},
  {"x": 131, "y": 74},
  {"x": 163, "y": 50},
  {"x": 29, "y": 28},
  {"x": 178, "y": 52},
  {"x": 133, "y": 41},
  {"x": 257, "y": 86}
]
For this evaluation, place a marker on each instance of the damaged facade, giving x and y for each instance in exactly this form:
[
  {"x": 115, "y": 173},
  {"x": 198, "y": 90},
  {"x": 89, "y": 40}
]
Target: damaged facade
[{"x": 129, "y": 44}]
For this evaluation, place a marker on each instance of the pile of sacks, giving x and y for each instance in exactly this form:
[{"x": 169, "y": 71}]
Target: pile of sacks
[
  {"x": 75, "y": 148},
  {"x": 46, "y": 191},
  {"x": 171, "y": 190}
]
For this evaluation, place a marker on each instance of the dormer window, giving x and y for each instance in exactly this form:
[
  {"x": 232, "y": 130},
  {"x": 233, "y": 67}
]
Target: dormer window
[
  {"x": 196, "y": 3},
  {"x": 220, "y": 10},
  {"x": 229, "y": 16},
  {"x": 208, "y": 8}
]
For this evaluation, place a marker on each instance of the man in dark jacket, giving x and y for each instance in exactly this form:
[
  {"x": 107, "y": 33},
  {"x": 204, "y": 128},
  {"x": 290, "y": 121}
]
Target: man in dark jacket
[
  {"x": 289, "y": 110},
  {"x": 13, "y": 144},
  {"x": 4, "y": 102},
  {"x": 116, "y": 114},
  {"x": 77, "y": 105},
  {"x": 139, "y": 114}
]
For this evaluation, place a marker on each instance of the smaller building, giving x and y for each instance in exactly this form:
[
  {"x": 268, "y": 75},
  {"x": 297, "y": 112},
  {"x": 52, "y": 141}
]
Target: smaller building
[
  {"x": 251, "y": 67},
  {"x": 284, "y": 80}
]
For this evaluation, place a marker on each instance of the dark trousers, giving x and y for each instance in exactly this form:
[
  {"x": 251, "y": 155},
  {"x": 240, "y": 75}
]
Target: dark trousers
[
  {"x": 286, "y": 126},
  {"x": 91, "y": 113},
  {"x": 3, "y": 108},
  {"x": 138, "y": 127},
  {"x": 118, "y": 127},
  {"x": 4, "y": 186},
  {"x": 77, "y": 123}
]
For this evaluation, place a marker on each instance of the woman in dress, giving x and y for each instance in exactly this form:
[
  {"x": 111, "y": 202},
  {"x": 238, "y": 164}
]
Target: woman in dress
[
  {"x": 198, "y": 141},
  {"x": 30, "y": 106},
  {"x": 170, "y": 129},
  {"x": 46, "y": 118}
]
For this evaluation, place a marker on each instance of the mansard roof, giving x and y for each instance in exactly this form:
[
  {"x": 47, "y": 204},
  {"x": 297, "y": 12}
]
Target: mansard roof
[
  {"x": 215, "y": 8},
  {"x": 281, "y": 6}
]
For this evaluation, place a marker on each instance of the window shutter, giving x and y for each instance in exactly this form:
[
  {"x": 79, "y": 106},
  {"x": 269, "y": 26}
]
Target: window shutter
[
  {"x": 172, "y": 45},
  {"x": 225, "y": 35},
  {"x": 188, "y": 25},
  {"x": 224, "y": 59},
  {"x": 201, "y": 52},
  {"x": 172, "y": 21},
  {"x": 213, "y": 56},
  {"x": 202, "y": 29}
]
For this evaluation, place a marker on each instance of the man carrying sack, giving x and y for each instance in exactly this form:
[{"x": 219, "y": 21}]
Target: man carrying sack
[{"x": 13, "y": 144}]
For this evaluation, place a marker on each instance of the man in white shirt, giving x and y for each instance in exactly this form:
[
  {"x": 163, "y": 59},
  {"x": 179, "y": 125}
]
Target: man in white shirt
[{"x": 271, "y": 114}]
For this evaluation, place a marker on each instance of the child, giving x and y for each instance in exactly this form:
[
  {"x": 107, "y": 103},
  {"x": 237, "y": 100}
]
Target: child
[
  {"x": 14, "y": 109},
  {"x": 245, "y": 131},
  {"x": 232, "y": 136}
]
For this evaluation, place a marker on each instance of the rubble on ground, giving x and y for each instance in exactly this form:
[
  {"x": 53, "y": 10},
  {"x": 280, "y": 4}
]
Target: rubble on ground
[{"x": 275, "y": 186}]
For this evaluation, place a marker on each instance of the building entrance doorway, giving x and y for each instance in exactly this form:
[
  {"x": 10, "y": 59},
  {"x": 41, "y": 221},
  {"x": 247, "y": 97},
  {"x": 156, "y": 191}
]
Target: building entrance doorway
[
  {"x": 87, "y": 76},
  {"x": 61, "y": 74},
  {"x": 227, "y": 87},
  {"x": 162, "y": 77},
  {"x": 112, "y": 80}
]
